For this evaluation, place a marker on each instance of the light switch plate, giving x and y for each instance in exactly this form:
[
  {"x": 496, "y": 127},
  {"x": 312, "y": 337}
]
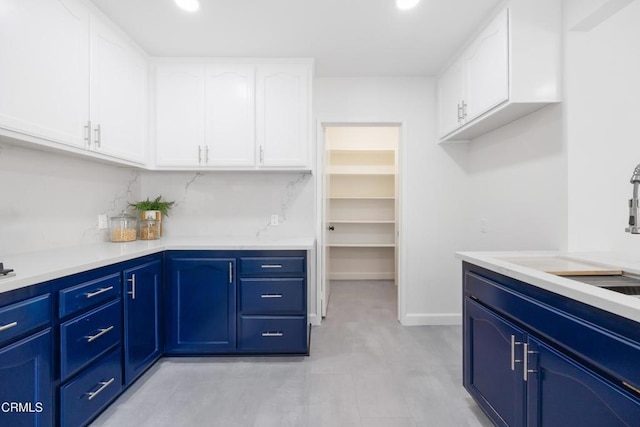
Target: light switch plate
[{"x": 102, "y": 222}]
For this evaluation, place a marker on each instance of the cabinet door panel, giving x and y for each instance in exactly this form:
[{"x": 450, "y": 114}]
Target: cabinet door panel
[
  {"x": 179, "y": 115},
  {"x": 282, "y": 111},
  {"x": 487, "y": 68},
  {"x": 451, "y": 88},
  {"x": 118, "y": 95},
  {"x": 26, "y": 378},
  {"x": 142, "y": 318},
  {"x": 203, "y": 305},
  {"x": 488, "y": 373},
  {"x": 44, "y": 69},
  {"x": 563, "y": 393},
  {"x": 230, "y": 115}
]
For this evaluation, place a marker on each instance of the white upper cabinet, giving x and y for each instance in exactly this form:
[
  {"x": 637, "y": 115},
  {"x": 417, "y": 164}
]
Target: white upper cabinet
[
  {"x": 44, "y": 69},
  {"x": 283, "y": 114},
  {"x": 510, "y": 69},
  {"x": 118, "y": 95},
  {"x": 230, "y": 115},
  {"x": 243, "y": 115},
  {"x": 179, "y": 114}
]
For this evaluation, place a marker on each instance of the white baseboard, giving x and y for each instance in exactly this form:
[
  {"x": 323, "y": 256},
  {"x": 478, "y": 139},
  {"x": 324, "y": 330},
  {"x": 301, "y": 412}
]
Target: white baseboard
[
  {"x": 432, "y": 319},
  {"x": 314, "y": 319},
  {"x": 362, "y": 276}
]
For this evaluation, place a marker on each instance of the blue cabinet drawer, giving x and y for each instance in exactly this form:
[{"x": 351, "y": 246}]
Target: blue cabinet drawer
[
  {"x": 22, "y": 317},
  {"x": 85, "y": 396},
  {"x": 88, "y": 294},
  {"x": 272, "y": 296},
  {"x": 273, "y": 334},
  {"x": 87, "y": 337},
  {"x": 272, "y": 266}
]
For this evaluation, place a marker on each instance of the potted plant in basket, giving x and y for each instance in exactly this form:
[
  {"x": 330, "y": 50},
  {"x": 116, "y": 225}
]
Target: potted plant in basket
[{"x": 151, "y": 213}]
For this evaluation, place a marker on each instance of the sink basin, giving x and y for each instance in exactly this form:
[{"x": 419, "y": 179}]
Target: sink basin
[{"x": 622, "y": 283}]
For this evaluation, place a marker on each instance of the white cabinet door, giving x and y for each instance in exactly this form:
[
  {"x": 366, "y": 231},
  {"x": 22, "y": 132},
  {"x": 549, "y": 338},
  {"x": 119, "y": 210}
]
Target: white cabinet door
[
  {"x": 487, "y": 68},
  {"x": 230, "y": 115},
  {"x": 44, "y": 69},
  {"x": 179, "y": 114},
  {"x": 283, "y": 114},
  {"x": 118, "y": 95},
  {"x": 450, "y": 97}
]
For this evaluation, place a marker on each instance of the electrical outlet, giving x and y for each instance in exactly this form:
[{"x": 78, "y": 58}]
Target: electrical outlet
[
  {"x": 274, "y": 219},
  {"x": 102, "y": 222}
]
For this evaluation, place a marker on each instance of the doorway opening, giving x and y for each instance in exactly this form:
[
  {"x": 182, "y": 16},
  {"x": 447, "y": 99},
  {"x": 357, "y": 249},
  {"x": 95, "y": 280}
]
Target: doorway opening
[{"x": 360, "y": 215}]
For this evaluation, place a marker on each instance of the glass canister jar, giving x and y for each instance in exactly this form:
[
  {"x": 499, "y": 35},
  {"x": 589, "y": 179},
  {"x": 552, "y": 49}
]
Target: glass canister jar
[
  {"x": 149, "y": 229},
  {"x": 123, "y": 228}
]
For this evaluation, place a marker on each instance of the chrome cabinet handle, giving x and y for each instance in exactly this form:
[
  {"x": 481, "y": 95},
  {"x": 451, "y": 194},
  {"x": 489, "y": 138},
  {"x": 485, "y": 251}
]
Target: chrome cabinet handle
[
  {"x": 103, "y": 385},
  {"x": 98, "y": 292},
  {"x": 271, "y": 296},
  {"x": 98, "y": 136},
  {"x": 261, "y": 154},
  {"x": 230, "y": 272},
  {"x": 132, "y": 292},
  {"x": 514, "y": 343},
  {"x": 525, "y": 357},
  {"x": 99, "y": 334},
  {"x": 272, "y": 334},
  {"x": 8, "y": 326},
  {"x": 87, "y": 133},
  {"x": 271, "y": 265}
]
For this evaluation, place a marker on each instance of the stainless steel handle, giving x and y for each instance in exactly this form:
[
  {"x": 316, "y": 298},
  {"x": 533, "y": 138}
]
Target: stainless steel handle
[
  {"x": 525, "y": 362},
  {"x": 514, "y": 343},
  {"x": 272, "y": 334},
  {"x": 206, "y": 154},
  {"x": 230, "y": 272},
  {"x": 98, "y": 292},
  {"x": 98, "y": 132},
  {"x": 271, "y": 266},
  {"x": 261, "y": 154},
  {"x": 87, "y": 133},
  {"x": 103, "y": 385},
  {"x": 132, "y": 292},
  {"x": 199, "y": 154},
  {"x": 99, "y": 334},
  {"x": 8, "y": 326},
  {"x": 271, "y": 296}
]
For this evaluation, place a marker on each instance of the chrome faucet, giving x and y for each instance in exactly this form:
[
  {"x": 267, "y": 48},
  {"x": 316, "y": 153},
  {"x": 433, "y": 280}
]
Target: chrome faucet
[{"x": 633, "y": 227}]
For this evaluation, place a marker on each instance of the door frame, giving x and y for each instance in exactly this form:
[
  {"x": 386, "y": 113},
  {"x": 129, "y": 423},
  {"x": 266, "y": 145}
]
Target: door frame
[{"x": 320, "y": 202}]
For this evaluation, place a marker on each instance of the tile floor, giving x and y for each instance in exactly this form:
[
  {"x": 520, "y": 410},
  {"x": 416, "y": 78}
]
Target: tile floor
[{"x": 365, "y": 370}]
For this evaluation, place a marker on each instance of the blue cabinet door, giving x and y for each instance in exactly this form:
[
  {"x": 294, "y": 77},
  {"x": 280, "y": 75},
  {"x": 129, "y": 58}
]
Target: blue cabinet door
[
  {"x": 563, "y": 393},
  {"x": 493, "y": 364},
  {"x": 26, "y": 382},
  {"x": 143, "y": 332},
  {"x": 202, "y": 305}
]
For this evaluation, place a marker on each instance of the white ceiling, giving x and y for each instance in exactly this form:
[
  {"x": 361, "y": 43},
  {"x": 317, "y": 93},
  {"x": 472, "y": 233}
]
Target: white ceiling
[{"x": 346, "y": 37}]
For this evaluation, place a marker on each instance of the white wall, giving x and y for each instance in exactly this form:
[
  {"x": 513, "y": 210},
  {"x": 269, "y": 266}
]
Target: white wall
[
  {"x": 602, "y": 75},
  {"x": 432, "y": 186},
  {"x": 51, "y": 200}
]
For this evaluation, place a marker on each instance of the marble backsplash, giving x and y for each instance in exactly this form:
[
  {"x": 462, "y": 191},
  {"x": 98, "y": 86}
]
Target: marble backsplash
[{"x": 53, "y": 200}]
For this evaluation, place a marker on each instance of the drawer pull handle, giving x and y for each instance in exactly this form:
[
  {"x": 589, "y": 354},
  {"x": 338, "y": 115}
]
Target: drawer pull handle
[
  {"x": 8, "y": 326},
  {"x": 103, "y": 385},
  {"x": 271, "y": 265},
  {"x": 272, "y": 334},
  {"x": 99, "y": 334},
  {"x": 98, "y": 292},
  {"x": 630, "y": 387},
  {"x": 271, "y": 295}
]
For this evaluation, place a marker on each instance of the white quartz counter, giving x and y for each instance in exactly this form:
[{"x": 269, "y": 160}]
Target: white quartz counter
[
  {"x": 38, "y": 267},
  {"x": 531, "y": 267}
]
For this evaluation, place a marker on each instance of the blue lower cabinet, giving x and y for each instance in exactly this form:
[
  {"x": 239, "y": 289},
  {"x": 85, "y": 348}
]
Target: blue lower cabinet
[
  {"x": 563, "y": 393},
  {"x": 26, "y": 382},
  {"x": 273, "y": 334},
  {"x": 87, "y": 337},
  {"x": 201, "y": 305},
  {"x": 84, "y": 397}
]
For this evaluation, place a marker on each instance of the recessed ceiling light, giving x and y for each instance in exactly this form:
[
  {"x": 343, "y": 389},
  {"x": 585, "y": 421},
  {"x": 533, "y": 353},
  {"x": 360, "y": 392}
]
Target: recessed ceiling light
[
  {"x": 406, "y": 4},
  {"x": 188, "y": 5}
]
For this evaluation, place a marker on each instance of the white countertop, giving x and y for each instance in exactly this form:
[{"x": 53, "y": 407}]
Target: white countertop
[
  {"x": 530, "y": 267},
  {"x": 38, "y": 267}
]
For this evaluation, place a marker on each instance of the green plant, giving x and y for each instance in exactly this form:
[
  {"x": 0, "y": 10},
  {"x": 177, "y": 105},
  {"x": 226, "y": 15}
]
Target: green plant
[{"x": 156, "y": 204}]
